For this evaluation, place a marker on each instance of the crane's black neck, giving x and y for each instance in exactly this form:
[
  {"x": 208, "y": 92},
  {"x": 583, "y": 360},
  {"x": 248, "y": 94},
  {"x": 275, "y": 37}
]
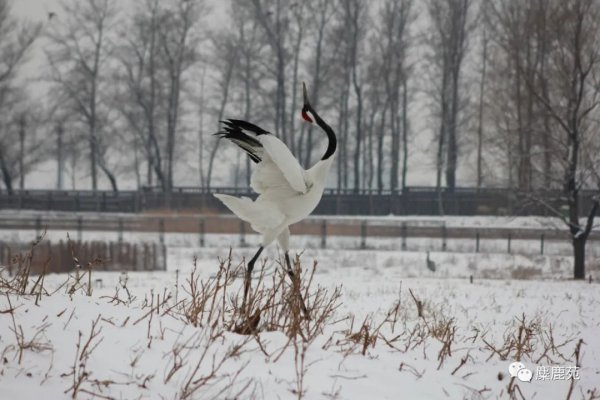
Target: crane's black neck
[{"x": 332, "y": 145}]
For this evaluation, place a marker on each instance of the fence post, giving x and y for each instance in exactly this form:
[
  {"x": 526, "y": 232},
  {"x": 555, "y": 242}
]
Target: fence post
[
  {"x": 542, "y": 244},
  {"x": 135, "y": 258},
  {"x": 403, "y": 235},
  {"x": 323, "y": 234},
  {"x": 112, "y": 253},
  {"x": 79, "y": 228},
  {"x": 10, "y": 264},
  {"x": 153, "y": 257},
  {"x": 120, "y": 229},
  {"x": 145, "y": 264},
  {"x": 242, "y": 234},
  {"x": 161, "y": 230},
  {"x": 201, "y": 232},
  {"x": 363, "y": 235},
  {"x": 38, "y": 226},
  {"x": 444, "y": 237},
  {"x": 477, "y": 242},
  {"x": 509, "y": 239}
]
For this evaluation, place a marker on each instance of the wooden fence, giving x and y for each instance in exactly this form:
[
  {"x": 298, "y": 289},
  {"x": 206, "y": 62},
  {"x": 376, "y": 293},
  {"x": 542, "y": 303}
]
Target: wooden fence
[
  {"x": 68, "y": 256},
  {"x": 364, "y": 229}
]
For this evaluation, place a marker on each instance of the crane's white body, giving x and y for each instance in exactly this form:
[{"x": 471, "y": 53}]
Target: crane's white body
[{"x": 287, "y": 192}]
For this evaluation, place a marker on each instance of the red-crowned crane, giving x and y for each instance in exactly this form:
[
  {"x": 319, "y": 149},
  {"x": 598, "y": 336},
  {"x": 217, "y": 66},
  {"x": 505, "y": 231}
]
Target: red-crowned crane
[{"x": 287, "y": 192}]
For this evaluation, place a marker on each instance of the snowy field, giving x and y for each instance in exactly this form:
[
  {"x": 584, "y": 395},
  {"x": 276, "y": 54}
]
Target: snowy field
[{"x": 171, "y": 335}]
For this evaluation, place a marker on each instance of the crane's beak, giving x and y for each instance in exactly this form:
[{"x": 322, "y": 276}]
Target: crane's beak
[
  {"x": 305, "y": 92},
  {"x": 306, "y": 106}
]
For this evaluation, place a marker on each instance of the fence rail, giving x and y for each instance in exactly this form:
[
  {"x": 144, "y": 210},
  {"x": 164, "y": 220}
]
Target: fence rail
[
  {"x": 322, "y": 228},
  {"x": 411, "y": 201}
]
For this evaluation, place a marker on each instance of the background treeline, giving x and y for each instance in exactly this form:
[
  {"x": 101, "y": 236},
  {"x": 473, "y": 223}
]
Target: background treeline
[{"x": 449, "y": 92}]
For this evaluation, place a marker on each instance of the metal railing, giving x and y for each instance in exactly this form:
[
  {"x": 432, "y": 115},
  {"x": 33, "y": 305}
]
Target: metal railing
[{"x": 411, "y": 201}]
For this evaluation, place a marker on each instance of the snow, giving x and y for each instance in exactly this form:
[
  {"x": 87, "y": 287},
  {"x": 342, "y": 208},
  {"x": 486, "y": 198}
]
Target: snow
[
  {"x": 133, "y": 359},
  {"x": 145, "y": 351}
]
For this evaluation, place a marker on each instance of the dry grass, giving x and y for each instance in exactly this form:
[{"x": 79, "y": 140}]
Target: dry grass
[{"x": 202, "y": 369}]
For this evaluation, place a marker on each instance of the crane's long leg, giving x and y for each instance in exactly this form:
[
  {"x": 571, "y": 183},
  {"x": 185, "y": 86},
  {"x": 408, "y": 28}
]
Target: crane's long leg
[
  {"x": 284, "y": 240},
  {"x": 249, "y": 274},
  {"x": 290, "y": 272}
]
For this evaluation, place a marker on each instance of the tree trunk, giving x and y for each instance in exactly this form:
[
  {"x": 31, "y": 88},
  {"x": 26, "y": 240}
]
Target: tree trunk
[
  {"x": 59, "y": 156},
  {"x": 22, "y": 124},
  {"x": 484, "y": 43},
  {"x": 6, "y": 177},
  {"x": 136, "y": 165},
  {"x": 395, "y": 147},
  {"x": 111, "y": 177},
  {"x": 579, "y": 257},
  {"x": 380, "y": 137},
  {"x": 292, "y": 139},
  {"x": 404, "y": 132},
  {"x": 315, "y": 95},
  {"x": 359, "y": 131},
  {"x": 92, "y": 142}
]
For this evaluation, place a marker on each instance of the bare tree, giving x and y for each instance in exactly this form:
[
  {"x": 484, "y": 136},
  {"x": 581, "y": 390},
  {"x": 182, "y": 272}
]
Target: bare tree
[
  {"x": 393, "y": 39},
  {"x": 448, "y": 43},
  {"x": 23, "y": 144},
  {"x": 16, "y": 40},
  {"x": 180, "y": 35},
  {"x": 571, "y": 97},
  {"x": 142, "y": 100},
  {"x": 273, "y": 17},
  {"x": 251, "y": 72},
  {"x": 320, "y": 13},
  {"x": 78, "y": 55},
  {"x": 520, "y": 33},
  {"x": 225, "y": 59},
  {"x": 356, "y": 13},
  {"x": 484, "y": 42}
]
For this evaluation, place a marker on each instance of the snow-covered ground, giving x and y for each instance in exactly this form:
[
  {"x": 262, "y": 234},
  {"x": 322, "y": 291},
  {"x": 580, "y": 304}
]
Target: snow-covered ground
[
  {"x": 119, "y": 344},
  {"x": 373, "y": 345}
]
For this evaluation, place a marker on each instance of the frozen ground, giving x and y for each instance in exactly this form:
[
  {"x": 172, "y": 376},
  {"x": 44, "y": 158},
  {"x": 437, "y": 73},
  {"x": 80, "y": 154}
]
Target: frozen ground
[{"x": 374, "y": 344}]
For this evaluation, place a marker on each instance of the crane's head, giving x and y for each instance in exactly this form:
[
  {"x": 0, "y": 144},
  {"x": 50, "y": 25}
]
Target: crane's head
[
  {"x": 313, "y": 116},
  {"x": 307, "y": 107}
]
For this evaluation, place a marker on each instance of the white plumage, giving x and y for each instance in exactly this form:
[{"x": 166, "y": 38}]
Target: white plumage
[{"x": 287, "y": 193}]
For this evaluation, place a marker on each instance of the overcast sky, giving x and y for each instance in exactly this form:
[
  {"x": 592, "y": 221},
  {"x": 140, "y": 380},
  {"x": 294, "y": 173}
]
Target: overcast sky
[{"x": 33, "y": 9}]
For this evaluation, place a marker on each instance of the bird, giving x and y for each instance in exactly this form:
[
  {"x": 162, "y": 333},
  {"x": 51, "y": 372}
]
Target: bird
[
  {"x": 287, "y": 193},
  {"x": 430, "y": 264},
  {"x": 51, "y": 15}
]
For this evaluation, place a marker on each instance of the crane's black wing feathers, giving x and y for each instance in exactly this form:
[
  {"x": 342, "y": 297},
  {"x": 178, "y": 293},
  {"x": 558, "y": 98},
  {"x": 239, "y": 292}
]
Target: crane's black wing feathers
[{"x": 243, "y": 134}]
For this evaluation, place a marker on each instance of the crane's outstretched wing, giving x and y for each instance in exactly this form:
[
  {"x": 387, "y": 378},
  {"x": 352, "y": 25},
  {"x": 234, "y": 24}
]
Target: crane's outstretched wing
[
  {"x": 277, "y": 166},
  {"x": 285, "y": 161},
  {"x": 244, "y": 135}
]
